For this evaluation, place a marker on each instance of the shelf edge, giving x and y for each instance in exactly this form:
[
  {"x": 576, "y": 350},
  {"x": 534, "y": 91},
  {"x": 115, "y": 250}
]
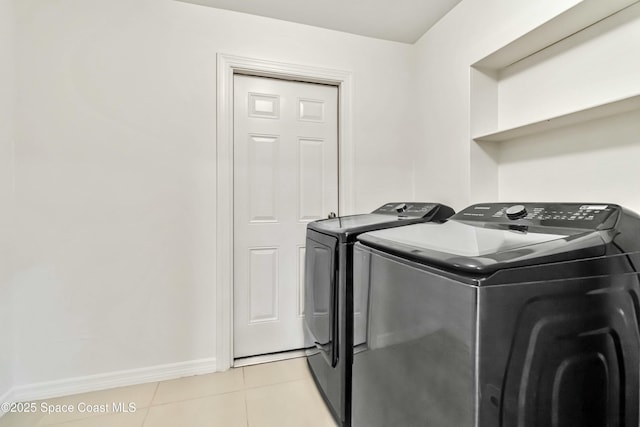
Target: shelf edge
[
  {"x": 607, "y": 109},
  {"x": 569, "y": 22}
]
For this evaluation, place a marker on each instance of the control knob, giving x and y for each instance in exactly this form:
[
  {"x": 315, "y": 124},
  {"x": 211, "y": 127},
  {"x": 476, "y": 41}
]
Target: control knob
[
  {"x": 401, "y": 207},
  {"x": 516, "y": 212}
]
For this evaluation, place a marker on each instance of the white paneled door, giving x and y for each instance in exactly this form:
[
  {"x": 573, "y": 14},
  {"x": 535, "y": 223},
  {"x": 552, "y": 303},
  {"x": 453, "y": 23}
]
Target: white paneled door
[{"x": 285, "y": 175}]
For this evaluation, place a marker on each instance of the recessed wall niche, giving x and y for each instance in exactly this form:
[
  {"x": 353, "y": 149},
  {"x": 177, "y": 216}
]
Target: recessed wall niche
[{"x": 580, "y": 66}]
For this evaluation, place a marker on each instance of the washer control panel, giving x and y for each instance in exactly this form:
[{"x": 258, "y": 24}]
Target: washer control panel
[
  {"x": 570, "y": 215},
  {"x": 405, "y": 209}
]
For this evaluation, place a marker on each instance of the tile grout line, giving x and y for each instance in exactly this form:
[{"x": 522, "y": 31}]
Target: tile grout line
[
  {"x": 150, "y": 404},
  {"x": 243, "y": 389},
  {"x": 244, "y": 394},
  {"x": 204, "y": 396},
  {"x": 94, "y": 414},
  {"x": 77, "y": 420},
  {"x": 276, "y": 383},
  {"x": 54, "y": 423}
]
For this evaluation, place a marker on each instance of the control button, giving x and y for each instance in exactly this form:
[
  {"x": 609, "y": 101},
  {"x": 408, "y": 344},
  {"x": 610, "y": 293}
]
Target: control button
[
  {"x": 401, "y": 207},
  {"x": 516, "y": 212}
]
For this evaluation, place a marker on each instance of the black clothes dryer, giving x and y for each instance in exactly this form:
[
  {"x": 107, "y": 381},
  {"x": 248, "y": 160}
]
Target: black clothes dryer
[
  {"x": 329, "y": 301},
  {"x": 504, "y": 316}
]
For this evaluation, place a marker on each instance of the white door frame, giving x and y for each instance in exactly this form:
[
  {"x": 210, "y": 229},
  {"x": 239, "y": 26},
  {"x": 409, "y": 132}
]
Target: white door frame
[{"x": 228, "y": 65}]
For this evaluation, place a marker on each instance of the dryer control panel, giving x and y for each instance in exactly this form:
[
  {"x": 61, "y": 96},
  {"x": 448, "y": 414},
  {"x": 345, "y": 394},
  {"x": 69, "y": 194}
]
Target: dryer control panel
[
  {"x": 406, "y": 209},
  {"x": 593, "y": 216}
]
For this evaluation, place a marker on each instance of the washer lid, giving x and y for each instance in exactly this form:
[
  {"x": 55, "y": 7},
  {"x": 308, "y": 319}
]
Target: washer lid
[
  {"x": 485, "y": 248},
  {"x": 387, "y": 216},
  {"x": 363, "y": 222},
  {"x": 457, "y": 238}
]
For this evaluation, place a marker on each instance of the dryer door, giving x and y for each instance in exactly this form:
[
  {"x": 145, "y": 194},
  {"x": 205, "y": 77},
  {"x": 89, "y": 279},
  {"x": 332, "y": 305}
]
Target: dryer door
[{"x": 320, "y": 284}]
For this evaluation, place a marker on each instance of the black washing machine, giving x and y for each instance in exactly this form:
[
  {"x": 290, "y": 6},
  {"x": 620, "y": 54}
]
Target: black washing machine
[
  {"x": 506, "y": 315},
  {"x": 329, "y": 301}
]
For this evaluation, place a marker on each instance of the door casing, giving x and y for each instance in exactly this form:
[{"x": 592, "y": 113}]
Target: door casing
[{"x": 227, "y": 66}]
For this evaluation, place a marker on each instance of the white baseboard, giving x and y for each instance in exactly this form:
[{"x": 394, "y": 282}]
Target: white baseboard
[{"x": 65, "y": 387}]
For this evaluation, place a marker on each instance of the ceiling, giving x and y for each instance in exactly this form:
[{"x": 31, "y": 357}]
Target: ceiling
[{"x": 398, "y": 20}]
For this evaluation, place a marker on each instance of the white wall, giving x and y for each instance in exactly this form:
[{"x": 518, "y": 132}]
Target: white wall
[
  {"x": 115, "y": 159},
  {"x": 115, "y": 165},
  {"x": 472, "y": 30},
  {"x": 599, "y": 64},
  {"x": 592, "y": 161},
  {"x": 595, "y": 162},
  {"x": 7, "y": 74}
]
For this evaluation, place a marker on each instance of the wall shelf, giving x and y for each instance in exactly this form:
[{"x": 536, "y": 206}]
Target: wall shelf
[
  {"x": 488, "y": 74},
  {"x": 499, "y": 85},
  {"x": 582, "y": 15},
  {"x": 619, "y": 106}
]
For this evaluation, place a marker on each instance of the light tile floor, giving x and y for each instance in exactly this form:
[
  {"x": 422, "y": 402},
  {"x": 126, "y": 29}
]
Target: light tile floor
[{"x": 278, "y": 394}]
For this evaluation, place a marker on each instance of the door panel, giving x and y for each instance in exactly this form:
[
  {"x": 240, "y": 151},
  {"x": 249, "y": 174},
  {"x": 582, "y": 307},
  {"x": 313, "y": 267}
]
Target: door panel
[
  {"x": 311, "y": 178},
  {"x": 262, "y": 175},
  {"x": 263, "y": 285},
  {"x": 285, "y": 175}
]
